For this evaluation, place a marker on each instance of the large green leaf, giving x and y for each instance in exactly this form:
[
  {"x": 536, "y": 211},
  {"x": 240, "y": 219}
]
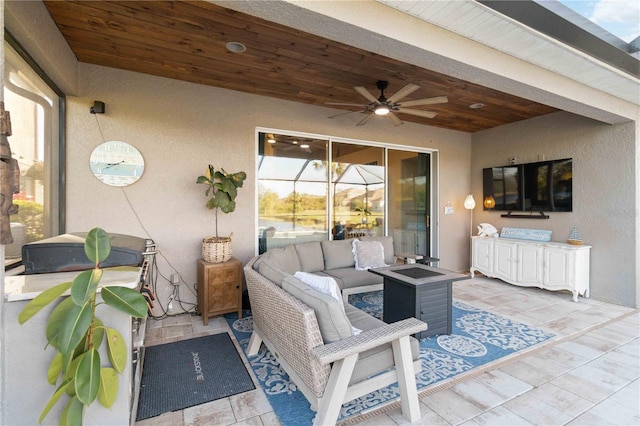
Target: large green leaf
[
  {"x": 97, "y": 245},
  {"x": 87, "y": 381},
  {"x": 55, "y": 368},
  {"x": 54, "y": 398},
  {"x": 126, "y": 300},
  {"x": 73, "y": 327},
  {"x": 84, "y": 286},
  {"x": 55, "y": 320},
  {"x": 72, "y": 413},
  {"x": 108, "y": 387},
  {"x": 98, "y": 332},
  {"x": 42, "y": 300},
  {"x": 117, "y": 348}
]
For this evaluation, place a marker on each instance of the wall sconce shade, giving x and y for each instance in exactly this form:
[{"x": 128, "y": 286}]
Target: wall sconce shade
[
  {"x": 489, "y": 202},
  {"x": 469, "y": 202}
]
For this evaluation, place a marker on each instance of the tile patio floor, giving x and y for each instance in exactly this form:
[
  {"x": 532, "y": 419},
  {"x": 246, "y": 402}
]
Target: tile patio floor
[{"x": 589, "y": 374}]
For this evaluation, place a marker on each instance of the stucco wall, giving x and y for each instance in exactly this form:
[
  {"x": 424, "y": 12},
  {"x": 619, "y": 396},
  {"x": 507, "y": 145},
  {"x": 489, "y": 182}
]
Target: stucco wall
[
  {"x": 603, "y": 190},
  {"x": 182, "y": 127}
]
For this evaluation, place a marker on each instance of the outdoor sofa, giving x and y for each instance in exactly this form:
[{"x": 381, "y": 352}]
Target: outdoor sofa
[{"x": 331, "y": 350}]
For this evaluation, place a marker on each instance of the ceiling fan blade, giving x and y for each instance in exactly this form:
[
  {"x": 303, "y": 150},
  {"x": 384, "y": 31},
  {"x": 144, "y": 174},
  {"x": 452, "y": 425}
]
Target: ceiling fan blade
[
  {"x": 367, "y": 94},
  {"x": 395, "y": 119},
  {"x": 418, "y": 112},
  {"x": 405, "y": 91},
  {"x": 343, "y": 113},
  {"x": 366, "y": 119},
  {"x": 426, "y": 101},
  {"x": 343, "y": 103}
]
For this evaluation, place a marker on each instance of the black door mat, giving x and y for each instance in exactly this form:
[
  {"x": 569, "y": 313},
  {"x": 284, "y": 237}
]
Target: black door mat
[{"x": 190, "y": 372}]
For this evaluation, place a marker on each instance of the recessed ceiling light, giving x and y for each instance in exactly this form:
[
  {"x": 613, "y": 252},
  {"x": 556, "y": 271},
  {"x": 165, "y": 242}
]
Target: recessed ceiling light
[
  {"x": 271, "y": 140},
  {"x": 476, "y": 106},
  {"x": 236, "y": 47},
  {"x": 304, "y": 146},
  {"x": 294, "y": 142}
]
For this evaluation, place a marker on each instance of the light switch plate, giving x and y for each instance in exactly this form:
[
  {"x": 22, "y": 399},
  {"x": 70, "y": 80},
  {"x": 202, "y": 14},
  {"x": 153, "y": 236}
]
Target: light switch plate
[{"x": 448, "y": 209}]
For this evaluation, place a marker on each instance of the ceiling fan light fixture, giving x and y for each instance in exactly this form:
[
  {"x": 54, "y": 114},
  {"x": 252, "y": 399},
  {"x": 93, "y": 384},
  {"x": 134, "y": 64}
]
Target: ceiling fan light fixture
[
  {"x": 476, "y": 106},
  {"x": 381, "y": 110}
]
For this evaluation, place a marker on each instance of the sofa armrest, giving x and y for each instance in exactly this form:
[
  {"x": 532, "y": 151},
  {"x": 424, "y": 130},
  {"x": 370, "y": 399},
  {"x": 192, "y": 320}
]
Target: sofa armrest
[{"x": 341, "y": 349}]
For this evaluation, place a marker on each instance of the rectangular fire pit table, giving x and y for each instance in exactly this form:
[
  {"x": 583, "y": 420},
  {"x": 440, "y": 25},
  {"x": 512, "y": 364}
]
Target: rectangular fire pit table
[{"x": 419, "y": 291}]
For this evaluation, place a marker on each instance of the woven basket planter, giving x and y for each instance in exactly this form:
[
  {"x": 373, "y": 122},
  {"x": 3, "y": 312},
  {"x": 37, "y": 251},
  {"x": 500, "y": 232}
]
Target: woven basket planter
[{"x": 216, "y": 250}]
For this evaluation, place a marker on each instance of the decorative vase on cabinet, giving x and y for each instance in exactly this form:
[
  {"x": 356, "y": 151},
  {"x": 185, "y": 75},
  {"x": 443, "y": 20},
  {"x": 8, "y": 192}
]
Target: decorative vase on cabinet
[{"x": 547, "y": 265}]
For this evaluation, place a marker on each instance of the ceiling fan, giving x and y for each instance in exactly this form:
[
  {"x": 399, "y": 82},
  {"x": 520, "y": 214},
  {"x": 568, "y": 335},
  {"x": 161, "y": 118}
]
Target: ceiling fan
[{"x": 387, "y": 106}]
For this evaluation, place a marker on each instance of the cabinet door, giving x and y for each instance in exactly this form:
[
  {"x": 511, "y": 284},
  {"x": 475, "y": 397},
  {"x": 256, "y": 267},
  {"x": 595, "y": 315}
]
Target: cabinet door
[
  {"x": 223, "y": 289},
  {"x": 505, "y": 260},
  {"x": 482, "y": 255},
  {"x": 558, "y": 268},
  {"x": 530, "y": 264}
]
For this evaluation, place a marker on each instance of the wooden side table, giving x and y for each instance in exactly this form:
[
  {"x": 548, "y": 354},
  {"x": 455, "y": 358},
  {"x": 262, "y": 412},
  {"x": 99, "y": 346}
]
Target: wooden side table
[{"x": 219, "y": 288}]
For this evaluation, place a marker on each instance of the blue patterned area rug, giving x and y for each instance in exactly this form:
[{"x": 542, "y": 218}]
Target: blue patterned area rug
[{"x": 479, "y": 337}]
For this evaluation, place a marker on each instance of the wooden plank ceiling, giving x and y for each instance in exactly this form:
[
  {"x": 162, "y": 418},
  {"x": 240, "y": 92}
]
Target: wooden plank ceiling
[{"x": 186, "y": 41}]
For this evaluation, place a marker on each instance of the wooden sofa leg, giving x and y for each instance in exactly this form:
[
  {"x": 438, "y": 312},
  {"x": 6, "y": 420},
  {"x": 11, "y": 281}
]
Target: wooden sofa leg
[
  {"x": 406, "y": 379},
  {"x": 334, "y": 392},
  {"x": 254, "y": 343}
]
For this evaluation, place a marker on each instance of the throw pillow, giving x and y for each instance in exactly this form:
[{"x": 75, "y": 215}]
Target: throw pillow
[
  {"x": 368, "y": 254},
  {"x": 325, "y": 285}
]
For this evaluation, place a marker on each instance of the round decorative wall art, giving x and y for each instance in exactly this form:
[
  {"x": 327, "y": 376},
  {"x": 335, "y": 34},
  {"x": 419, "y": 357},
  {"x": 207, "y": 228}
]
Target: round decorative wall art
[{"x": 116, "y": 163}]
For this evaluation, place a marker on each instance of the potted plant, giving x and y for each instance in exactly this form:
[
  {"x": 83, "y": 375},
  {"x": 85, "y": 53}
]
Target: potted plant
[
  {"x": 222, "y": 190},
  {"x": 364, "y": 212},
  {"x": 76, "y": 333}
]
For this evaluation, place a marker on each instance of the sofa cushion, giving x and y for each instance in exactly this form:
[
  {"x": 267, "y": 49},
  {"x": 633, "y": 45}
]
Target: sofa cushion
[
  {"x": 379, "y": 358},
  {"x": 310, "y": 256},
  {"x": 269, "y": 270},
  {"x": 387, "y": 243},
  {"x": 349, "y": 277},
  {"x": 338, "y": 254},
  {"x": 330, "y": 313},
  {"x": 284, "y": 259},
  {"x": 368, "y": 254}
]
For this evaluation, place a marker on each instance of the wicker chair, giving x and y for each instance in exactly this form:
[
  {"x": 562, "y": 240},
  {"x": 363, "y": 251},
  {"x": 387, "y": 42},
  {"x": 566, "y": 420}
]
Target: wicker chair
[{"x": 323, "y": 372}]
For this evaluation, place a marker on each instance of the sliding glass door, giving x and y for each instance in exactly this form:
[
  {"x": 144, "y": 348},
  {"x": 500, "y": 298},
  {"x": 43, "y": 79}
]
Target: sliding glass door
[
  {"x": 313, "y": 189},
  {"x": 358, "y": 180},
  {"x": 410, "y": 201}
]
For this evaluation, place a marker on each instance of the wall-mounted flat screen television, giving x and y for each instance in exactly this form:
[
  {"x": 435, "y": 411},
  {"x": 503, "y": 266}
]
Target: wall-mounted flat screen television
[{"x": 531, "y": 187}]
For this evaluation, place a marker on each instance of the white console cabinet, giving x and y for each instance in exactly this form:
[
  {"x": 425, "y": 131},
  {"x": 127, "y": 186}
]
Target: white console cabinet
[{"x": 551, "y": 266}]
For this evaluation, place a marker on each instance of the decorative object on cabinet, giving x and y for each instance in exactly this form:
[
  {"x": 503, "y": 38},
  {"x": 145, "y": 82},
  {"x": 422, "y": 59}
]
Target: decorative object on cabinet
[
  {"x": 222, "y": 188},
  {"x": 574, "y": 237},
  {"x": 116, "y": 163},
  {"x": 219, "y": 288},
  {"x": 542, "y": 235},
  {"x": 76, "y": 333},
  {"x": 547, "y": 265},
  {"x": 487, "y": 230}
]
